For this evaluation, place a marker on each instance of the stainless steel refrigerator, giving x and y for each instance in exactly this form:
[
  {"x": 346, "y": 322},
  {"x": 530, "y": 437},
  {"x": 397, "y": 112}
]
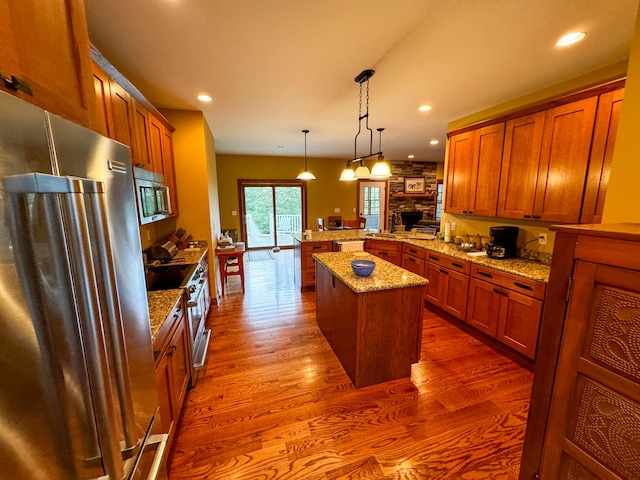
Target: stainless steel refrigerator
[{"x": 77, "y": 388}]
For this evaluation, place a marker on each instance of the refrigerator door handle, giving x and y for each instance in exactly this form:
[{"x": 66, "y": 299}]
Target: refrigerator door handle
[{"x": 133, "y": 435}]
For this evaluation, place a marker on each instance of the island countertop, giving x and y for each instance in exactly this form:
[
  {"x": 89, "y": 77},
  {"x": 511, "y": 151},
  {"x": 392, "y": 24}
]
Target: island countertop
[
  {"x": 386, "y": 275},
  {"x": 522, "y": 267}
]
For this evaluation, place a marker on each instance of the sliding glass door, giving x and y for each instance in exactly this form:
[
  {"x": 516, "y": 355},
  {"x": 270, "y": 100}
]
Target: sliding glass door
[{"x": 271, "y": 211}]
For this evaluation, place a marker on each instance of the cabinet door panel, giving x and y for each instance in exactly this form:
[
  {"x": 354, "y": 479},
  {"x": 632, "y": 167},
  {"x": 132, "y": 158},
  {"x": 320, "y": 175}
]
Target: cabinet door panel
[
  {"x": 155, "y": 145},
  {"x": 413, "y": 264},
  {"x": 484, "y": 306},
  {"x": 459, "y": 172},
  {"x": 566, "y": 143},
  {"x": 519, "y": 322},
  {"x": 140, "y": 143},
  {"x": 164, "y": 384},
  {"x": 102, "y": 117},
  {"x": 485, "y": 173},
  {"x": 433, "y": 292},
  {"x": 604, "y": 139},
  {"x": 180, "y": 366},
  {"x": 455, "y": 293},
  {"x": 522, "y": 144},
  {"x": 169, "y": 168},
  {"x": 121, "y": 110}
]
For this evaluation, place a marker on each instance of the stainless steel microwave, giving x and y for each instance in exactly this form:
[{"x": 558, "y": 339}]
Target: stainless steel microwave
[{"x": 152, "y": 196}]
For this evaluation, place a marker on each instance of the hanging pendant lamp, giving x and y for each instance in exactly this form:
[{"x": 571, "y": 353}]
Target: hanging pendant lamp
[
  {"x": 305, "y": 175},
  {"x": 381, "y": 169}
]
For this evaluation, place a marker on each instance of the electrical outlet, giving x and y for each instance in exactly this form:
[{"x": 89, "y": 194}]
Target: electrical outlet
[
  {"x": 336, "y": 210},
  {"x": 542, "y": 238}
]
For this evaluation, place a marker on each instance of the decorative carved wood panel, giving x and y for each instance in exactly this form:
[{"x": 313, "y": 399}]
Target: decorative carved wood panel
[{"x": 594, "y": 423}]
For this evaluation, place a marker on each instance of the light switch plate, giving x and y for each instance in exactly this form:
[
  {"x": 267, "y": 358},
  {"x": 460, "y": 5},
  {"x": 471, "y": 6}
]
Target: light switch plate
[
  {"x": 336, "y": 210},
  {"x": 234, "y": 213}
]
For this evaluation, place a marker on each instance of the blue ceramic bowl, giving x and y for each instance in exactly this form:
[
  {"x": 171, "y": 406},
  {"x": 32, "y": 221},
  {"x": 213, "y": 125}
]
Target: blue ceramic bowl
[{"x": 363, "y": 268}]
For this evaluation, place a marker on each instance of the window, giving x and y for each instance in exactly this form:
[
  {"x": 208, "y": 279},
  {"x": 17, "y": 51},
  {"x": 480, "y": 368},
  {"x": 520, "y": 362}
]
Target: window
[{"x": 439, "y": 188}]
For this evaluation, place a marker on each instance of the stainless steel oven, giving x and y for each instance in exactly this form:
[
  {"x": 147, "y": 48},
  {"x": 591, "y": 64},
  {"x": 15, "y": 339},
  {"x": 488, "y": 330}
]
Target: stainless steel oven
[{"x": 197, "y": 309}]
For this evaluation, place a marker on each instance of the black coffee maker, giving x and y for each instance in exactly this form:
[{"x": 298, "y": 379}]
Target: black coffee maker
[{"x": 503, "y": 242}]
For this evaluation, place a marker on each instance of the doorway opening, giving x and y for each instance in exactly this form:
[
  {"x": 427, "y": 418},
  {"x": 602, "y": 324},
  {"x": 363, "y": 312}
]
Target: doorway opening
[
  {"x": 372, "y": 203},
  {"x": 270, "y": 211}
]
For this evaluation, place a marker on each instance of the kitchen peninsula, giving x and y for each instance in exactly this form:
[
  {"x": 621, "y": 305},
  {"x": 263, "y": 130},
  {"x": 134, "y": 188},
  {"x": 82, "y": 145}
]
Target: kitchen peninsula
[{"x": 374, "y": 323}]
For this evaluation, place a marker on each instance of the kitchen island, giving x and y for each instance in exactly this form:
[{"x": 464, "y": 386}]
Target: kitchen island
[{"x": 373, "y": 324}]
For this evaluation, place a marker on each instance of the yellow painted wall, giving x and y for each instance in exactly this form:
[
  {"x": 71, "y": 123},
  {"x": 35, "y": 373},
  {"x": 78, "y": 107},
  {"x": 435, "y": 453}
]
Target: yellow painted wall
[
  {"x": 324, "y": 194},
  {"x": 530, "y": 230},
  {"x": 622, "y": 203},
  {"x": 196, "y": 181}
]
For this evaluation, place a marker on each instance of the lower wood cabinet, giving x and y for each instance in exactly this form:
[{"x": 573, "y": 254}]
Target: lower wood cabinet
[
  {"x": 413, "y": 259},
  {"x": 172, "y": 367},
  {"x": 390, "y": 251},
  {"x": 448, "y": 283},
  {"x": 304, "y": 263},
  {"x": 508, "y": 316}
]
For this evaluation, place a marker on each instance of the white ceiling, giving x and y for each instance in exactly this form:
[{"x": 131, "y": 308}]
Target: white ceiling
[{"x": 275, "y": 67}]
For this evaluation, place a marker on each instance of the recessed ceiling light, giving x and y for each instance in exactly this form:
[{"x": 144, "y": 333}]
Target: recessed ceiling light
[
  {"x": 203, "y": 97},
  {"x": 434, "y": 142},
  {"x": 570, "y": 38},
  {"x": 411, "y": 156},
  {"x": 279, "y": 146},
  {"x": 424, "y": 108}
]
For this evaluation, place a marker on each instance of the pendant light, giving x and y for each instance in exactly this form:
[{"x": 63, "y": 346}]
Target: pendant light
[
  {"x": 381, "y": 170},
  {"x": 305, "y": 175},
  {"x": 347, "y": 174}
]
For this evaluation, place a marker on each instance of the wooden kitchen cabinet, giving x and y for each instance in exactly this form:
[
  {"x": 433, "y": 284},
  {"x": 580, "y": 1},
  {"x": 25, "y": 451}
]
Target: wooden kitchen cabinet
[
  {"x": 121, "y": 120},
  {"x": 413, "y": 259},
  {"x": 448, "y": 286},
  {"x": 304, "y": 263},
  {"x": 168, "y": 167},
  {"x": 140, "y": 135},
  {"x": 584, "y": 415},
  {"x": 155, "y": 145},
  {"x": 506, "y": 307},
  {"x": 102, "y": 90},
  {"x": 604, "y": 139},
  {"x": 46, "y": 45},
  {"x": 545, "y": 161},
  {"x": 172, "y": 370},
  {"x": 390, "y": 251},
  {"x": 473, "y": 172}
]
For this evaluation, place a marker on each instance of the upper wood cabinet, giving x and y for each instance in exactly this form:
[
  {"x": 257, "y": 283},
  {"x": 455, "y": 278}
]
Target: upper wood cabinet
[
  {"x": 545, "y": 163},
  {"x": 155, "y": 145},
  {"x": 474, "y": 169},
  {"x": 169, "y": 168},
  {"x": 46, "y": 45},
  {"x": 604, "y": 139},
  {"x": 140, "y": 142},
  {"x": 121, "y": 120}
]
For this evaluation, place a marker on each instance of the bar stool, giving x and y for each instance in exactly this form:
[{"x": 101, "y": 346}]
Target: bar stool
[{"x": 230, "y": 263}]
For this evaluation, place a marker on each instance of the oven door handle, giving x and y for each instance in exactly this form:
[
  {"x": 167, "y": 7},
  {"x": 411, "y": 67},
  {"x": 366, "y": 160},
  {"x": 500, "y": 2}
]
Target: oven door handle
[{"x": 194, "y": 303}]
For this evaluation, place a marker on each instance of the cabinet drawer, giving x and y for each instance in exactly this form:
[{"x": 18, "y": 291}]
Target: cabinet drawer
[
  {"x": 316, "y": 247},
  {"x": 413, "y": 264},
  {"x": 383, "y": 245},
  {"x": 518, "y": 284},
  {"x": 166, "y": 330},
  {"x": 414, "y": 251},
  {"x": 448, "y": 262}
]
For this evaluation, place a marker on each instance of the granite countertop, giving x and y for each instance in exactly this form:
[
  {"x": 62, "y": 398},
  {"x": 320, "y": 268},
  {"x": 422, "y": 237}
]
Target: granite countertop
[
  {"x": 386, "y": 275},
  {"x": 517, "y": 266},
  {"x": 161, "y": 302}
]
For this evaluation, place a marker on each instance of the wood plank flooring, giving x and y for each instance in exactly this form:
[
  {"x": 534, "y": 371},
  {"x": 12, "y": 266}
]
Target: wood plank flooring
[{"x": 274, "y": 402}]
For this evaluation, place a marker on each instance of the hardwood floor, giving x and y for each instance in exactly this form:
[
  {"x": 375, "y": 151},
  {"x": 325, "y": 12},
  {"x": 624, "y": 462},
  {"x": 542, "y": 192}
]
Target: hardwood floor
[{"x": 274, "y": 402}]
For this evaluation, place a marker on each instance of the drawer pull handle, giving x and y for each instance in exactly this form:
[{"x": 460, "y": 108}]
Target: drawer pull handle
[
  {"x": 504, "y": 294},
  {"x": 411, "y": 259},
  {"x": 485, "y": 274},
  {"x": 442, "y": 270},
  {"x": 496, "y": 290},
  {"x": 522, "y": 285},
  {"x": 412, "y": 250},
  {"x": 434, "y": 258},
  {"x": 316, "y": 247},
  {"x": 457, "y": 265}
]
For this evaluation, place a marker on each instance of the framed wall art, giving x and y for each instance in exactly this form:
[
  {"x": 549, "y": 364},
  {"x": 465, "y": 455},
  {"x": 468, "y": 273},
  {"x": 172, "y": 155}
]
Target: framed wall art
[{"x": 414, "y": 185}]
